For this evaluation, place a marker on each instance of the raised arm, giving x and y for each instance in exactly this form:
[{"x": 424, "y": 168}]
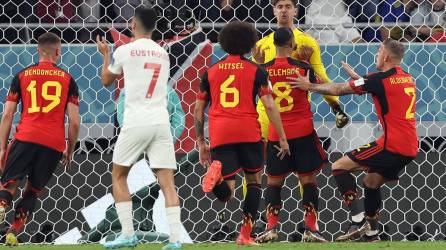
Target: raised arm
[
  {"x": 107, "y": 77},
  {"x": 335, "y": 89}
]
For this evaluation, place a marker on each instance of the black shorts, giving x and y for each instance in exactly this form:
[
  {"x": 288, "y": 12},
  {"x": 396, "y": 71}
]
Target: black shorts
[
  {"x": 307, "y": 157},
  {"x": 246, "y": 156},
  {"x": 379, "y": 160},
  {"x": 29, "y": 159}
]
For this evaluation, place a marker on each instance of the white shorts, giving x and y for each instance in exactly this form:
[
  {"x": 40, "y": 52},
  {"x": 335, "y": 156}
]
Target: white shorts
[{"x": 155, "y": 140}]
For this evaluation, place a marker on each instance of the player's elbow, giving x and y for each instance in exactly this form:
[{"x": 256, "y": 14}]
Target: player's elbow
[
  {"x": 199, "y": 109},
  {"x": 106, "y": 81},
  {"x": 7, "y": 115},
  {"x": 74, "y": 122},
  {"x": 107, "y": 78},
  {"x": 269, "y": 105},
  {"x": 336, "y": 92}
]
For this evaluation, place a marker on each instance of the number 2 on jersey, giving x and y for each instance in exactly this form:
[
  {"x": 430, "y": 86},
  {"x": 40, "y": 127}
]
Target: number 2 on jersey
[
  {"x": 156, "y": 72},
  {"x": 54, "y": 98},
  {"x": 410, "y": 91},
  {"x": 225, "y": 90}
]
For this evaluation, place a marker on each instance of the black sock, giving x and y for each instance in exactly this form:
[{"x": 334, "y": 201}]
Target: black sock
[
  {"x": 272, "y": 196},
  {"x": 348, "y": 189},
  {"x": 23, "y": 210},
  {"x": 311, "y": 196},
  {"x": 372, "y": 203},
  {"x": 252, "y": 199},
  {"x": 222, "y": 191},
  {"x": 28, "y": 202},
  {"x": 5, "y": 197}
]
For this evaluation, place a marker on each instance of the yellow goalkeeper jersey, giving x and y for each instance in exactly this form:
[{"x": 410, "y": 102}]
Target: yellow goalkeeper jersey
[{"x": 267, "y": 45}]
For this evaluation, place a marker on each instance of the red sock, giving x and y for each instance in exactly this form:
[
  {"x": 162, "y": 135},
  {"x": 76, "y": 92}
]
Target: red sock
[
  {"x": 19, "y": 221},
  {"x": 246, "y": 228},
  {"x": 272, "y": 216},
  {"x": 310, "y": 218}
]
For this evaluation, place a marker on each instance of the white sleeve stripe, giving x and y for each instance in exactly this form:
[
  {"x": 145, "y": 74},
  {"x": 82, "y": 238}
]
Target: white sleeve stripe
[{"x": 359, "y": 82}]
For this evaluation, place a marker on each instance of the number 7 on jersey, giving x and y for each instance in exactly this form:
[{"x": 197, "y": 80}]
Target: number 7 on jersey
[{"x": 156, "y": 71}]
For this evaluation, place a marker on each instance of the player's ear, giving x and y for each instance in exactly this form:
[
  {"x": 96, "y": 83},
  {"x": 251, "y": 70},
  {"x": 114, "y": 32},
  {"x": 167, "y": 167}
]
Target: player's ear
[
  {"x": 386, "y": 57},
  {"x": 133, "y": 24},
  {"x": 58, "y": 51}
]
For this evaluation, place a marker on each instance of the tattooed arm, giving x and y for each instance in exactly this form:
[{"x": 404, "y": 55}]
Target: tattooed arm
[
  {"x": 204, "y": 150},
  {"x": 336, "y": 89}
]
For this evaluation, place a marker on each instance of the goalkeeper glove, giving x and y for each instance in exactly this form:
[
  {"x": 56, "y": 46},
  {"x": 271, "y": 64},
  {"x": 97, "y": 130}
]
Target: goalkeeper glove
[{"x": 341, "y": 117}]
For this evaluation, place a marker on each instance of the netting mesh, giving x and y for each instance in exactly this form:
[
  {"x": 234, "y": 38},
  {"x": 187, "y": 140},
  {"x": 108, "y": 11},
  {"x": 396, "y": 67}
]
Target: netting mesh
[{"x": 77, "y": 199}]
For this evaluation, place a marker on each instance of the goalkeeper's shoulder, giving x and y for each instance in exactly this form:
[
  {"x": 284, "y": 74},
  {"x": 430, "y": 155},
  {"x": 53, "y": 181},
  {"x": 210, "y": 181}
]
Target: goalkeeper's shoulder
[
  {"x": 303, "y": 38},
  {"x": 266, "y": 41}
]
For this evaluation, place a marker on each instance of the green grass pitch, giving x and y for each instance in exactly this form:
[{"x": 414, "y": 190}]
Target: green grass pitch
[{"x": 439, "y": 245}]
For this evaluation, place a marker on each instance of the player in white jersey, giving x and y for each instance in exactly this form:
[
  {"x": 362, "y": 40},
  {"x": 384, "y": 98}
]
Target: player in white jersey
[{"x": 145, "y": 66}]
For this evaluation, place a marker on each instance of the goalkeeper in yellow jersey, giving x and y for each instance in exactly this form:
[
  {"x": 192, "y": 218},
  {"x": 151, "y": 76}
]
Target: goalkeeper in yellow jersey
[{"x": 265, "y": 51}]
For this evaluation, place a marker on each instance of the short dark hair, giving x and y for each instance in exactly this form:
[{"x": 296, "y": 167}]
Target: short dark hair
[
  {"x": 282, "y": 36},
  {"x": 48, "y": 38},
  {"x": 394, "y": 47},
  {"x": 147, "y": 17},
  {"x": 274, "y": 2},
  {"x": 238, "y": 38}
]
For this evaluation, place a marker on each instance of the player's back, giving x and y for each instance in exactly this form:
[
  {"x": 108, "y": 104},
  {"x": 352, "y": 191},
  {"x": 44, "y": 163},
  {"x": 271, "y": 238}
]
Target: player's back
[
  {"x": 394, "y": 96},
  {"x": 44, "y": 90},
  {"x": 398, "y": 112},
  {"x": 293, "y": 104},
  {"x": 145, "y": 65},
  {"x": 234, "y": 84}
]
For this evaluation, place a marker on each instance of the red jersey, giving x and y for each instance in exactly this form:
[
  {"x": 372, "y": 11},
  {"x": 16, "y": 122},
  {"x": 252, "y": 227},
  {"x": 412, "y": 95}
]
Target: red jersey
[
  {"x": 44, "y": 90},
  {"x": 232, "y": 85},
  {"x": 293, "y": 104},
  {"x": 394, "y": 96}
]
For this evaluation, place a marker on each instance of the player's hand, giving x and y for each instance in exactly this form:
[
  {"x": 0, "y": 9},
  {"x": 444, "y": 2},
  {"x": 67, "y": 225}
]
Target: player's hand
[
  {"x": 204, "y": 155},
  {"x": 284, "y": 149},
  {"x": 341, "y": 117},
  {"x": 304, "y": 54},
  {"x": 350, "y": 71},
  {"x": 66, "y": 159},
  {"x": 102, "y": 45},
  {"x": 301, "y": 82},
  {"x": 258, "y": 54}
]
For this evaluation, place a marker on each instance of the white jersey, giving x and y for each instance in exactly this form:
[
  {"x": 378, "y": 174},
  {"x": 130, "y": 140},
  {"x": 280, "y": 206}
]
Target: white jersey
[{"x": 146, "y": 66}]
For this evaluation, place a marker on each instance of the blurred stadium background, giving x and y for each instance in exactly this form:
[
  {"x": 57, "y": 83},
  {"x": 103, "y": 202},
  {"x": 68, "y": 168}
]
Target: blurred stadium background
[{"x": 75, "y": 203}]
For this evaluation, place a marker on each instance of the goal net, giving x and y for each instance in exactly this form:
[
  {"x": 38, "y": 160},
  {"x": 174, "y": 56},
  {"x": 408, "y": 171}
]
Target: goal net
[{"x": 77, "y": 200}]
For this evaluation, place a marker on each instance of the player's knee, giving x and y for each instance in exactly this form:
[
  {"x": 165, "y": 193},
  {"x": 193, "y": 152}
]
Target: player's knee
[
  {"x": 223, "y": 191},
  {"x": 275, "y": 181},
  {"x": 372, "y": 182},
  {"x": 337, "y": 165},
  {"x": 308, "y": 179},
  {"x": 253, "y": 178},
  {"x": 6, "y": 197},
  {"x": 119, "y": 173}
]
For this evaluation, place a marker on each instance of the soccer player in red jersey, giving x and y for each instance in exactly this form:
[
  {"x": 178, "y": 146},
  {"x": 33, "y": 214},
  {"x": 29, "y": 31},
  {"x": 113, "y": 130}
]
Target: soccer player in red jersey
[
  {"x": 307, "y": 155},
  {"x": 230, "y": 87},
  {"x": 394, "y": 95},
  {"x": 46, "y": 92}
]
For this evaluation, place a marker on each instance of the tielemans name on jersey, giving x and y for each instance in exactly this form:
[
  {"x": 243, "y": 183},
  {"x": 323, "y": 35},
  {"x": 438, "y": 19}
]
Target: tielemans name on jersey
[{"x": 283, "y": 71}]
